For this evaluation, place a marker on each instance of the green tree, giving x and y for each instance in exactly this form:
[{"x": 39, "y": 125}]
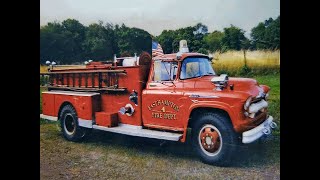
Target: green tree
[
  {"x": 51, "y": 42},
  {"x": 266, "y": 35},
  {"x": 214, "y": 41},
  {"x": 258, "y": 34},
  {"x": 200, "y": 32},
  {"x": 70, "y": 41},
  {"x": 169, "y": 40},
  {"x": 74, "y": 34},
  {"x": 202, "y": 51},
  {"x": 201, "y": 29},
  {"x": 166, "y": 39},
  {"x": 99, "y": 42},
  {"x": 233, "y": 38},
  {"x": 132, "y": 40},
  {"x": 62, "y": 42}
]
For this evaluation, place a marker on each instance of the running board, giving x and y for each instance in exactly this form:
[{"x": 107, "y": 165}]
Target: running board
[
  {"x": 51, "y": 118},
  {"x": 138, "y": 131}
]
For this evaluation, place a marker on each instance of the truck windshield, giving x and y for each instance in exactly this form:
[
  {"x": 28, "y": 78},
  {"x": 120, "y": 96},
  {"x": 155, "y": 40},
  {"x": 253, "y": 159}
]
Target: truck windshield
[{"x": 196, "y": 67}]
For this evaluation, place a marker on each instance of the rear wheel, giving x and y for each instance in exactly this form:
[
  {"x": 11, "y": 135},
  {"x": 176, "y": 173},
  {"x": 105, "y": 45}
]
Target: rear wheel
[
  {"x": 70, "y": 125},
  {"x": 214, "y": 139}
]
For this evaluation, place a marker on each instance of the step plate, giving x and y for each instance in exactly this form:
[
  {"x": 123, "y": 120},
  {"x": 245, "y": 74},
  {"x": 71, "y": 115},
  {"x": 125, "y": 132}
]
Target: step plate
[{"x": 138, "y": 131}]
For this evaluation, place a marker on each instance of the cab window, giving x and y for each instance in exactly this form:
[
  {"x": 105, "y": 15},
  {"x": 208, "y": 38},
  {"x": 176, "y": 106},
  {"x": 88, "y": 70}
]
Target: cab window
[
  {"x": 164, "y": 71},
  {"x": 196, "y": 67}
]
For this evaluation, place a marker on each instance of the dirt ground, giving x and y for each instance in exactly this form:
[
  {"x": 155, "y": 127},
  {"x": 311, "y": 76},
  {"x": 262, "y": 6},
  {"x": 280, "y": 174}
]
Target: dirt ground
[{"x": 105, "y": 155}]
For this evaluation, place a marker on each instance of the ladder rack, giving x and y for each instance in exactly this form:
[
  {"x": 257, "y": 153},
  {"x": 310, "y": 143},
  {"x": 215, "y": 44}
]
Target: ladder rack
[{"x": 86, "y": 80}]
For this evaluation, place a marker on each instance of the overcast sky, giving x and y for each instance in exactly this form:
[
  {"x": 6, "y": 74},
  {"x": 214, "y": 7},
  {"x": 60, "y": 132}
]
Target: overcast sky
[{"x": 155, "y": 16}]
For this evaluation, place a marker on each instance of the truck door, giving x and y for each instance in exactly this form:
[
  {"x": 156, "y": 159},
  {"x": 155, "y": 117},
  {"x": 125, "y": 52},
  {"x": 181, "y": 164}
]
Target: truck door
[{"x": 162, "y": 101}]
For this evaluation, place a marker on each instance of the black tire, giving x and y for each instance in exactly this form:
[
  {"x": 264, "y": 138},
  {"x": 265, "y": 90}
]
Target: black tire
[
  {"x": 216, "y": 124},
  {"x": 69, "y": 124}
]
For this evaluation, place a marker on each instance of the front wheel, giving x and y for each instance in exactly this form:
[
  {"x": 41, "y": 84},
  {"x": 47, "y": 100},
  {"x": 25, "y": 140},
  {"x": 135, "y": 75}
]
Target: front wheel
[{"x": 214, "y": 139}]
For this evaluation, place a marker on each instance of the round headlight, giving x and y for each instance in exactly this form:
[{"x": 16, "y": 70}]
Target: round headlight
[{"x": 247, "y": 103}]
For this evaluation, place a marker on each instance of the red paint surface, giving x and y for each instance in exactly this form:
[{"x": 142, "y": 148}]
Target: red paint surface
[
  {"x": 83, "y": 104},
  {"x": 106, "y": 119},
  {"x": 48, "y": 104}
]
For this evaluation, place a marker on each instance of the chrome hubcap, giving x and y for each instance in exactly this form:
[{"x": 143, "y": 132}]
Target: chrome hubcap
[{"x": 210, "y": 140}]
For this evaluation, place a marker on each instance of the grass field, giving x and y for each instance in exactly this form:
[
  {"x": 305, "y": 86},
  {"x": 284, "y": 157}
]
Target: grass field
[
  {"x": 259, "y": 62},
  {"x": 235, "y": 59},
  {"x": 111, "y": 156}
]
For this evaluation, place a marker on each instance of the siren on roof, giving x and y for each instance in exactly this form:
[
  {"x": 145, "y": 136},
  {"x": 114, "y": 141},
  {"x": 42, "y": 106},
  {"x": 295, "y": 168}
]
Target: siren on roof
[{"x": 183, "y": 46}]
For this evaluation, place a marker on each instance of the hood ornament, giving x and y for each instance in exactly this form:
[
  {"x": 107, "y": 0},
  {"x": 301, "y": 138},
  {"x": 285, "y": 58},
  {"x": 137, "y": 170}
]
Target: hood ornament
[{"x": 220, "y": 82}]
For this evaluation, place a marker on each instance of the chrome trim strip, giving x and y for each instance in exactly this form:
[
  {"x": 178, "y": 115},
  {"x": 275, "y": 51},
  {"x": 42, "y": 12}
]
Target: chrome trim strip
[
  {"x": 200, "y": 96},
  {"x": 140, "y": 132},
  {"x": 85, "y": 123},
  {"x": 51, "y": 118},
  {"x": 72, "y": 93}
]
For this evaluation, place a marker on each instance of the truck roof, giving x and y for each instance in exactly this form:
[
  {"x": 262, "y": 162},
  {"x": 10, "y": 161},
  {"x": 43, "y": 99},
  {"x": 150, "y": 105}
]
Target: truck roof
[{"x": 173, "y": 56}]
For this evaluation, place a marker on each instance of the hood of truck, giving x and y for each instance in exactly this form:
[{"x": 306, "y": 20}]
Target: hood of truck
[
  {"x": 246, "y": 85},
  {"x": 243, "y": 84}
]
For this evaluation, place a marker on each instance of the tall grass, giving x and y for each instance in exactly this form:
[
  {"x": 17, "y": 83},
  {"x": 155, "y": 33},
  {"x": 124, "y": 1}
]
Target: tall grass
[{"x": 258, "y": 62}]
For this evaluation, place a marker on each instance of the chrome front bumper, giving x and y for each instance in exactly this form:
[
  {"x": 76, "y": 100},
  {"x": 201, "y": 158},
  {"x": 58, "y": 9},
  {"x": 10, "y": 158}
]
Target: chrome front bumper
[{"x": 264, "y": 128}]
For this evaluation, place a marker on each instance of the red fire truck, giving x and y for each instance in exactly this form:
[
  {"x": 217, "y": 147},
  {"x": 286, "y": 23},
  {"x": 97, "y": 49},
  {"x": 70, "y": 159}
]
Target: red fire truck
[{"x": 160, "y": 97}]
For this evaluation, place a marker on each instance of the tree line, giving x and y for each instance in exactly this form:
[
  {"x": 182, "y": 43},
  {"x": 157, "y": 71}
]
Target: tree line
[{"x": 71, "y": 42}]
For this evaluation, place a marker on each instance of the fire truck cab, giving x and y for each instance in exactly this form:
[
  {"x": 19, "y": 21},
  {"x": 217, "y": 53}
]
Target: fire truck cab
[{"x": 160, "y": 97}]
